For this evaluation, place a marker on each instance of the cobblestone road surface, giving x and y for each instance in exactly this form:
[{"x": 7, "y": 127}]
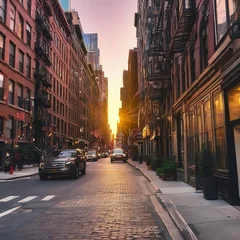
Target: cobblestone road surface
[{"x": 111, "y": 202}]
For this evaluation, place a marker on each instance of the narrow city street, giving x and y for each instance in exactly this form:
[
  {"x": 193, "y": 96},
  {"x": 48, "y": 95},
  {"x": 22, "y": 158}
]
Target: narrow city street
[{"x": 112, "y": 201}]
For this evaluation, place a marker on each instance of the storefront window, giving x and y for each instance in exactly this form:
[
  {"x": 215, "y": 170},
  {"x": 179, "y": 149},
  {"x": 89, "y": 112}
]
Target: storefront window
[
  {"x": 208, "y": 124},
  {"x": 191, "y": 139},
  {"x": 219, "y": 132},
  {"x": 234, "y": 103},
  {"x": 199, "y": 129}
]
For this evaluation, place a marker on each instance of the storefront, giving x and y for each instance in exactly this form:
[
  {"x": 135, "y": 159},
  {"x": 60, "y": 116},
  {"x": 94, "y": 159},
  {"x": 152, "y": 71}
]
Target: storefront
[{"x": 146, "y": 140}]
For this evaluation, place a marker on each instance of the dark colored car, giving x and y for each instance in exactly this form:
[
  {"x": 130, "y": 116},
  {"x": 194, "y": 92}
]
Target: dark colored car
[
  {"x": 92, "y": 155},
  {"x": 118, "y": 155},
  {"x": 69, "y": 162}
]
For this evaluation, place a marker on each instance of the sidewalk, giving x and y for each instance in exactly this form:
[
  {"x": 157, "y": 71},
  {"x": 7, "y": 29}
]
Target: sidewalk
[
  {"x": 26, "y": 172},
  {"x": 195, "y": 217}
]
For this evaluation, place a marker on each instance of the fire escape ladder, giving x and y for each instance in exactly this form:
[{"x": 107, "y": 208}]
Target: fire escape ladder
[
  {"x": 187, "y": 17},
  {"x": 44, "y": 26},
  {"x": 42, "y": 47},
  {"x": 42, "y": 74}
]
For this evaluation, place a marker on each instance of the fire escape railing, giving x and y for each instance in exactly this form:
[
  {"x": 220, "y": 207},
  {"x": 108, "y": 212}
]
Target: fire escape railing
[
  {"x": 42, "y": 74},
  {"x": 43, "y": 25},
  {"x": 158, "y": 64},
  {"x": 47, "y": 8},
  {"x": 42, "y": 48},
  {"x": 184, "y": 17},
  {"x": 42, "y": 99}
]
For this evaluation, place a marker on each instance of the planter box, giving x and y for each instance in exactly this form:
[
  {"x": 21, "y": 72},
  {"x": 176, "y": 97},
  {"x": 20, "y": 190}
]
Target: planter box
[
  {"x": 169, "y": 177},
  {"x": 210, "y": 189}
]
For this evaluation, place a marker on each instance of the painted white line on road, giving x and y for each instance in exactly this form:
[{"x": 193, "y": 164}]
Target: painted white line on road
[
  {"x": 47, "y": 198},
  {"x": 27, "y": 199},
  {"x": 7, "y": 199},
  {"x": 9, "y": 211}
]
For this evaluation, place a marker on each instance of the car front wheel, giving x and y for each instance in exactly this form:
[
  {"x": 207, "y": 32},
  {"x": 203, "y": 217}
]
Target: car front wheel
[
  {"x": 83, "y": 172},
  {"x": 43, "y": 177},
  {"x": 76, "y": 173}
]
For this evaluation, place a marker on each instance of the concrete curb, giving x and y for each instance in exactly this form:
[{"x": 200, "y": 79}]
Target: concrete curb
[
  {"x": 18, "y": 177},
  {"x": 176, "y": 217},
  {"x": 140, "y": 171}
]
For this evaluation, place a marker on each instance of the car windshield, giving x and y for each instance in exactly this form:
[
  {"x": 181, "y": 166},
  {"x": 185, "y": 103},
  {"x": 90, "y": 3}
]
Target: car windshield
[
  {"x": 117, "y": 151},
  {"x": 91, "y": 152},
  {"x": 68, "y": 154}
]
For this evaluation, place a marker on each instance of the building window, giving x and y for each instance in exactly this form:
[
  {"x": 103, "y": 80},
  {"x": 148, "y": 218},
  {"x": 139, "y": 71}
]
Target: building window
[
  {"x": 199, "y": 128},
  {"x": 12, "y": 17},
  {"x": 21, "y": 27},
  {"x": 2, "y": 10},
  {"x": 29, "y": 6},
  {"x": 2, "y": 46},
  {"x": 225, "y": 13},
  {"x": 191, "y": 138},
  {"x": 29, "y": 32},
  {"x": 9, "y": 127},
  {"x": 234, "y": 103},
  {"x": 207, "y": 117},
  {"x": 12, "y": 55},
  {"x": 219, "y": 132},
  {"x": 11, "y": 92},
  {"x": 1, "y": 125},
  {"x": 21, "y": 61},
  {"x": 1, "y": 87},
  {"x": 204, "y": 48},
  {"x": 28, "y": 67},
  {"x": 20, "y": 130},
  {"x": 20, "y": 95},
  {"x": 28, "y": 100},
  {"x": 192, "y": 64},
  {"x": 54, "y": 104}
]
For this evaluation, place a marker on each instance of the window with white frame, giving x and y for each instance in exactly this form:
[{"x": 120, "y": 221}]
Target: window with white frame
[{"x": 20, "y": 95}]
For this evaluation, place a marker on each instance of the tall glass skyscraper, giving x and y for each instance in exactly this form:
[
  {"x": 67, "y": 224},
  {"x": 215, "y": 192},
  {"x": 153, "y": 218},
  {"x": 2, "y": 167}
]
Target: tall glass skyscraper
[
  {"x": 91, "y": 42},
  {"x": 66, "y": 5}
]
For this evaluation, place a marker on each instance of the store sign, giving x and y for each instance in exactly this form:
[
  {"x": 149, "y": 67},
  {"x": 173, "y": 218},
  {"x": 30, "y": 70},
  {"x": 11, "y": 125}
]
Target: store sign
[{"x": 20, "y": 116}]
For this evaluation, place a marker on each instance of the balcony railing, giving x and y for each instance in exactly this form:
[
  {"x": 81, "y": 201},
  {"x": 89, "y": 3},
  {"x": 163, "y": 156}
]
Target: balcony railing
[
  {"x": 44, "y": 26},
  {"x": 42, "y": 48},
  {"x": 42, "y": 74},
  {"x": 186, "y": 17}
]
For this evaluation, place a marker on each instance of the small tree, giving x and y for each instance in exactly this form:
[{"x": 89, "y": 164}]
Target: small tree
[{"x": 206, "y": 161}]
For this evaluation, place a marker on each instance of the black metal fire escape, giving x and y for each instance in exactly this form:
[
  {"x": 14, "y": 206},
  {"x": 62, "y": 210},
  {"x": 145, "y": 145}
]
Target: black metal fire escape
[
  {"x": 42, "y": 75},
  {"x": 184, "y": 18},
  {"x": 159, "y": 61}
]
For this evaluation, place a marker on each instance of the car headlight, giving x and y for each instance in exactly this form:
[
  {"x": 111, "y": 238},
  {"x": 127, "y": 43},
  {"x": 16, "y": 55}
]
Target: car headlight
[
  {"x": 41, "y": 165},
  {"x": 70, "y": 162}
]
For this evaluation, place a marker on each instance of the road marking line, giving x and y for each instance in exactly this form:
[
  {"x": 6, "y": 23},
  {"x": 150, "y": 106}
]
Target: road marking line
[
  {"x": 47, "y": 198},
  {"x": 6, "y": 199},
  {"x": 27, "y": 199},
  {"x": 9, "y": 211}
]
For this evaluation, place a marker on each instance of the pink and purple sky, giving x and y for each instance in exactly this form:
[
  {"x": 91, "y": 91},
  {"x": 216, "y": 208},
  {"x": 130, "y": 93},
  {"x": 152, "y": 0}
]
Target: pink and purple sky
[{"x": 113, "y": 20}]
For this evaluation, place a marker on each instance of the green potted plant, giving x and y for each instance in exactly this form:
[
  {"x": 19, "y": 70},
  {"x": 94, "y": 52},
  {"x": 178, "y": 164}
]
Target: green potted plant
[
  {"x": 206, "y": 166},
  {"x": 159, "y": 172},
  {"x": 156, "y": 163},
  {"x": 149, "y": 161},
  {"x": 169, "y": 170}
]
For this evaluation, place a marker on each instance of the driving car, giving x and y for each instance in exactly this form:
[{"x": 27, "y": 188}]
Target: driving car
[
  {"x": 92, "y": 155},
  {"x": 118, "y": 155},
  {"x": 70, "y": 162}
]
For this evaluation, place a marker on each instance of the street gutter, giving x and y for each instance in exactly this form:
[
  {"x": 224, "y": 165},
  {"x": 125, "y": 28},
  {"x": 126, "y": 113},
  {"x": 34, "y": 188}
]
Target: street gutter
[{"x": 176, "y": 217}]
